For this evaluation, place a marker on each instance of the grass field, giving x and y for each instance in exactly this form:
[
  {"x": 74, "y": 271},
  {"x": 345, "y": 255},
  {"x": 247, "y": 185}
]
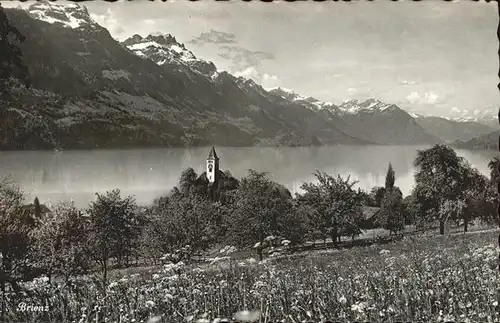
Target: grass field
[{"x": 424, "y": 278}]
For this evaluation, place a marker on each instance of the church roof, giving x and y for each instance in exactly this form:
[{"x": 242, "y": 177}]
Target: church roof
[{"x": 212, "y": 153}]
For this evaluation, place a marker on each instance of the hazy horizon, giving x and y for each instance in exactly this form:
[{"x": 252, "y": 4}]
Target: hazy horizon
[{"x": 432, "y": 58}]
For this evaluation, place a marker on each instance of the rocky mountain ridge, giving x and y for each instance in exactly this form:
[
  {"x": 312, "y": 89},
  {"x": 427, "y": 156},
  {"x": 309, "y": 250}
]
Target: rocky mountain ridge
[{"x": 90, "y": 91}]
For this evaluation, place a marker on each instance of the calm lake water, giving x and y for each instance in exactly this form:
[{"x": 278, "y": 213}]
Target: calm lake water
[{"x": 149, "y": 173}]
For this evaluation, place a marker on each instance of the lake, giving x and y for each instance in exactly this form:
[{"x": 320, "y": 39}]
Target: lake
[{"x": 149, "y": 173}]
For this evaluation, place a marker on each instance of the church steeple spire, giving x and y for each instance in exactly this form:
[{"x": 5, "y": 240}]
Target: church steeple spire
[
  {"x": 212, "y": 166},
  {"x": 212, "y": 153}
]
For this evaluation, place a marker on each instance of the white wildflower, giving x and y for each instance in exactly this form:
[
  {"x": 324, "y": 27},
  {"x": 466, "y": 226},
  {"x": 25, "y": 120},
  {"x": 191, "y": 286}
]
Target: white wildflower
[
  {"x": 247, "y": 316},
  {"x": 154, "y": 319}
]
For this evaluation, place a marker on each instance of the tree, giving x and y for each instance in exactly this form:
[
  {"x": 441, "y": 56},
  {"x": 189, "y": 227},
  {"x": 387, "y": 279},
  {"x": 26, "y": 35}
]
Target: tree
[
  {"x": 377, "y": 195},
  {"x": 296, "y": 224},
  {"x": 10, "y": 55},
  {"x": 494, "y": 166},
  {"x": 392, "y": 210},
  {"x": 60, "y": 242},
  {"x": 390, "y": 178},
  {"x": 16, "y": 240},
  {"x": 192, "y": 221},
  {"x": 410, "y": 209},
  {"x": 478, "y": 200},
  {"x": 259, "y": 205},
  {"x": 337, "y": 204},
  {"x": 392, "y": 204},
  {"x": 187, "y": 181},
  {"x": 38, "y": 209},
  {"x": 438, "y": 182},
  {"x": 112, "y": 226}
]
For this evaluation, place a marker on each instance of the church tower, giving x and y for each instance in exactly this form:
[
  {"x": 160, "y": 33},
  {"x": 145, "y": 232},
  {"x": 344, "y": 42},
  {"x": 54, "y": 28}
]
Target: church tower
[{"x": 212, "y": 166}]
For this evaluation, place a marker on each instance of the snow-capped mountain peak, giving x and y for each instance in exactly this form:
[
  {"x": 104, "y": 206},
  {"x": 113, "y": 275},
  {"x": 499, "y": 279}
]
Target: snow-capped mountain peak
[
  {"x": 308, "y": 101},
  {"x": 70, "y": 15},
  {"x": 163, "y": 49},
  {"x": 370, "y": 105}
]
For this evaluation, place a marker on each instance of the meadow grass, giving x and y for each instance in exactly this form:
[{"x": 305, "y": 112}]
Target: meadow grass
[{"x": 421, "y": 278}]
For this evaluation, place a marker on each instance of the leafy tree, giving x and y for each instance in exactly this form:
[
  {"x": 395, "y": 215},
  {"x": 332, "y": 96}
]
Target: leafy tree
[
  {"x": 478, "y": 202},
  {"x": 438, "y": 182},
  {"x": 494, "y": 166},
  {"x": 337, "y": 204},
  {"x": 377, "y": 195},
  {"x": 390, "y": 178},
  {"x": 192, "y": 221},
  {"x": 16, "y": 239},
  {"x": 392, "y": 204},
  {"x": 38, "y": 209},
  {"x": 410, "y": 209},
  {"x": 366, "y": 198},
  {"x": 259, "y": 205},
  {"x": 59, "y": 242},
  {"x": 112, "y": 226},
  {"x": 10, "y": 55},
  {"x": 296, "y": 224},
  {"x": 228, "y": 185},
  {"x": 187, "y": 181},
  {"x": 393, "y": 211}
]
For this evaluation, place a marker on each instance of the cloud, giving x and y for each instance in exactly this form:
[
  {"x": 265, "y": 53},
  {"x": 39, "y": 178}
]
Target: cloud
[
  {"x": 352, "y": 91},
  {"x": 264, "y": 79},
  {"x": 242, "y": 58},
  {"x": 240, "y": 61},
  {"x": 413, "y": 97},
  {"x": 214, "y": 37},
  {"x": 405, "y": 82},
  {"x": 427, "y": 98},
  {"x": 149, "y": 22},
  {"x": 108, "y": 21},
  {"x": 430, "y": 97}
]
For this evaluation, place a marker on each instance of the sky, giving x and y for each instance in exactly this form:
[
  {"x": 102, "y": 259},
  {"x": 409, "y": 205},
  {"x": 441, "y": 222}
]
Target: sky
[{"x": 431, "y": 57}]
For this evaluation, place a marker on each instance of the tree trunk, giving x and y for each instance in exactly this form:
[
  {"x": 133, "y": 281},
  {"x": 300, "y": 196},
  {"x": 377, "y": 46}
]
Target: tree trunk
[
  {"x": 466, "y": 224},
  {"x": 441, "y": 227},
  {"x": 4, "y": 298},
  {"x": 333, "y": 237},
  {"x": 105, "y": 273}
]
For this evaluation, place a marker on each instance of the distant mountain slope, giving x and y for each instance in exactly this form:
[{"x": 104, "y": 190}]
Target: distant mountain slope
[
  {"x": 91, "y": 91},
  {"x": 450, "y": 130},
  {"x": 230, "y": 91},
  {"x": 384, "y": 123},
  {"x": 371, "y": 120},
  {"x": 487, "y": 142}
]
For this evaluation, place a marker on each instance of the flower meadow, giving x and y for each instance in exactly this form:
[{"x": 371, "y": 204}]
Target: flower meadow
[{"x": 432, "y": 278}]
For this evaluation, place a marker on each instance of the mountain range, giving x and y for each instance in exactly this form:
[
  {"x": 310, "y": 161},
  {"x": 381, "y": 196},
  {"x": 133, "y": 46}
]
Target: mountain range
[
  {"x": 91, "y": 91},
  {"x": 489, "y": 141}
]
